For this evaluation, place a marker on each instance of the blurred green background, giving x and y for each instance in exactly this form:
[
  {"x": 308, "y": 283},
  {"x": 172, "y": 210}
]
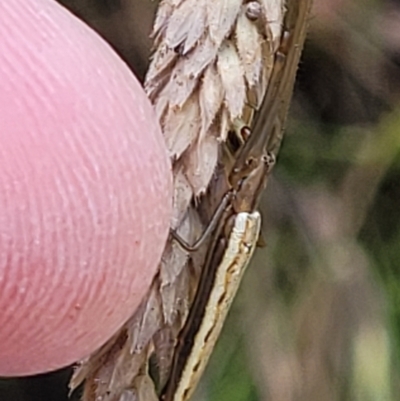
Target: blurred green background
[{"x": 318, "y": 315}]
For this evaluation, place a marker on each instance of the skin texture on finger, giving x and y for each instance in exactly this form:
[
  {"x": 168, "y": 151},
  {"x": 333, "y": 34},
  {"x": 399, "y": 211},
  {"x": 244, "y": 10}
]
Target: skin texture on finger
[{"x": 85, "y": 189}]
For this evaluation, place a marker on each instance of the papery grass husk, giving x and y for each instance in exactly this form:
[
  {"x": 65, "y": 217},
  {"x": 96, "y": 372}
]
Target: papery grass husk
[{"x": 211, "y": 67}]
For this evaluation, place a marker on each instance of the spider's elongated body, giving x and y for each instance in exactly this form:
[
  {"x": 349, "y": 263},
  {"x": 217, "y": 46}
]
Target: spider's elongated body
[{"x": 233, "y": 243}]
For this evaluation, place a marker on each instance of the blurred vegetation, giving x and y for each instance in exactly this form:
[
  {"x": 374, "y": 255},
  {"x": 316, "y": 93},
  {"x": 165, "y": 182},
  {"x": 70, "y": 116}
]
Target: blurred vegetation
[{"x": 318, "y": 315}]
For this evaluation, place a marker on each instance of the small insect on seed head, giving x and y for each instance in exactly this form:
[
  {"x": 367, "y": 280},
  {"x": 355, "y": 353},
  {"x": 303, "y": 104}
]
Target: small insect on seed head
[{"x": 253, "y": 10}]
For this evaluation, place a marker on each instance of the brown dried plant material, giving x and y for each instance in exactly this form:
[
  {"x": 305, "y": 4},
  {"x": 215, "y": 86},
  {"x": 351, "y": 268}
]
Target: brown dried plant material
[{"x": 212, "y": 63}]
